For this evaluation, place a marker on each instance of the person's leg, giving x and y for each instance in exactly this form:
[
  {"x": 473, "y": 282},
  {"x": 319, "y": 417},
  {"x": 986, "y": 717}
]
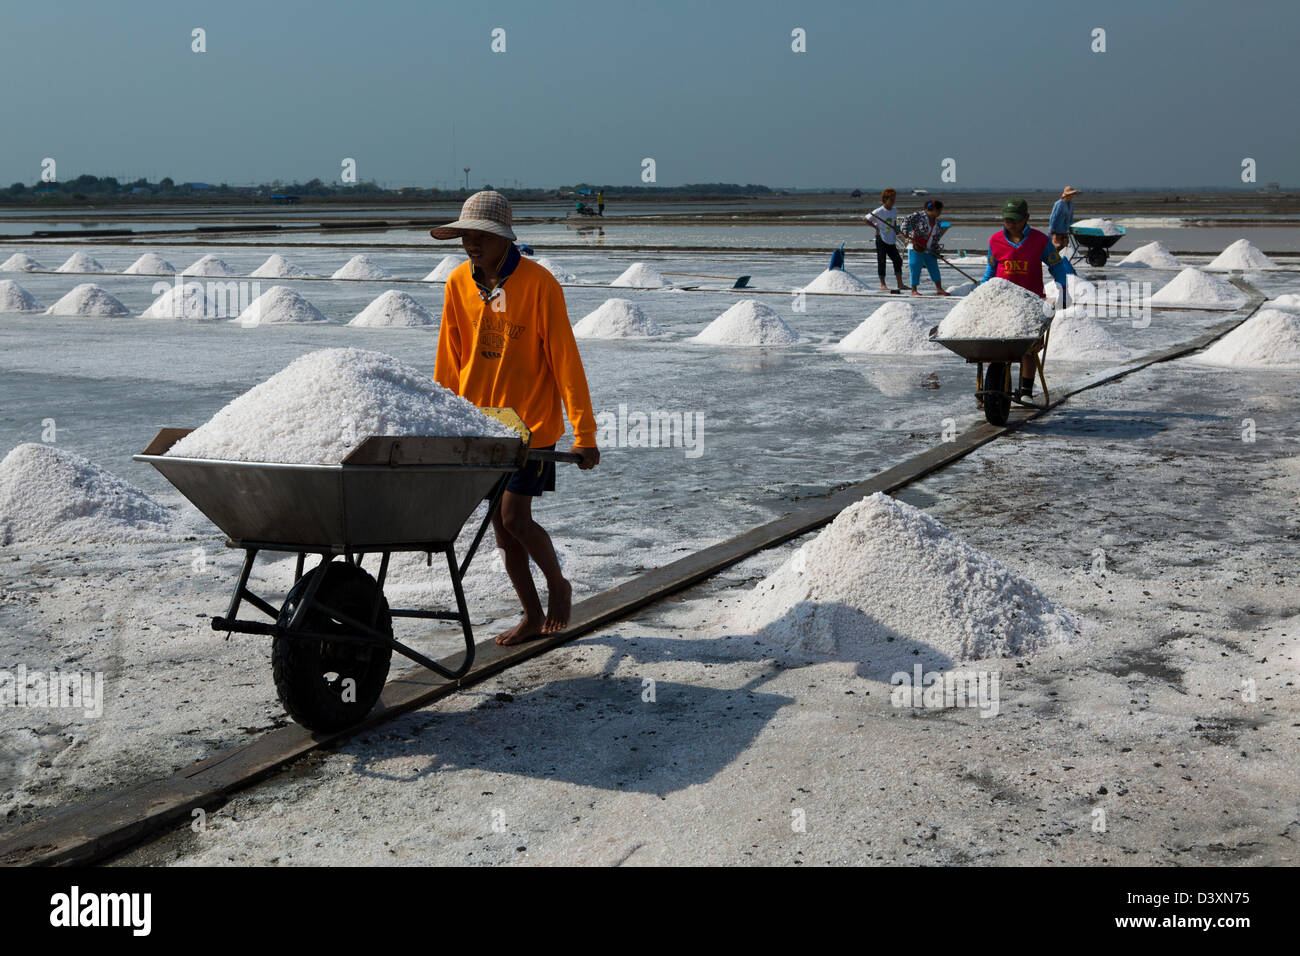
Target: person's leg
[
  {"x": 914, "y": 269},
  {"x": 932, "y": 267},
  {"x": 898, "y": 265},
  {"x": 1028, "y": 369},
  {"x": 532, "y": 541},
  {"x": 880, "y": 260}
]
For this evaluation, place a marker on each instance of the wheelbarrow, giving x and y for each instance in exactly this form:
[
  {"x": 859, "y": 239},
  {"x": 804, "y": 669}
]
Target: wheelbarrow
[
  {"x": 993, "y": 391},
  {"x": 332, "y": 635},
  {"x": 1093, "y": 244}
]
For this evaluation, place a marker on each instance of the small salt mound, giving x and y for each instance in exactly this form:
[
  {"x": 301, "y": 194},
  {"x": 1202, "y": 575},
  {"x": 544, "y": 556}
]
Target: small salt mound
[
  {"x": 1107, "y": 227},
  {"x": 1191, "y": 287},
  {"x": 998, "y": 309},
  {"x": 150, "y": 264},
  {"x": 189, "y": 301},
  {"x": 81, "y": 262},
  {"x": 748, "y": 322},
  {"x": 50, "y": 496},
  {"x": 325, "y": 403},
  {"x": 555, "y": 269},
  {"x": 965, "y": 288},
  {"x": 87, "y": 299},
  {"x": 1076, "y": 337},
  {"x": 14, "y": 298},
  {"x": 279, "y": 305},
  {"x": 617, "y": 319},
  {"x": 887, "y": 585},
  {"x": 209, "y": 265},
  {"x": 21, "y": 262},
  {"x": 1289, "y": 301},
  {"x": 394, "y": 309},
  {"x": 894, "y": 329},
  {"x": 278, "y": 267},
  {"x": 837, "y": 281},
  {"x": 361, "y": 267},
  {"x": 1154, "y": 255},
  {"x": 640, "y": 276},
  {"x": 1080, "y": 289},
  {"x": 1242, "y": 256},
  {"x": 445, "y": 268},
  {"x": 1269, "y": 337}
]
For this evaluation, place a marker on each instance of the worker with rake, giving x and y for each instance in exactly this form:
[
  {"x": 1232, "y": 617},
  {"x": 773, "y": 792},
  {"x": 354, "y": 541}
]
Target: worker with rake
[{"x": 924, "y": 230}]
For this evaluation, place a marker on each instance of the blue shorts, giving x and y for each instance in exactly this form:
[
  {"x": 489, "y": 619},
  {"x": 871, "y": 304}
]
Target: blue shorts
[{"x": 534, "y": 478}]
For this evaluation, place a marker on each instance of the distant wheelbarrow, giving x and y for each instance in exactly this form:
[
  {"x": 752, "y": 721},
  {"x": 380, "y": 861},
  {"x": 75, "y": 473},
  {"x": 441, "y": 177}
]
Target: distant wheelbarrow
[
  {"x": 1093, "y": 244},
  {"x": 993, "y": 390}
]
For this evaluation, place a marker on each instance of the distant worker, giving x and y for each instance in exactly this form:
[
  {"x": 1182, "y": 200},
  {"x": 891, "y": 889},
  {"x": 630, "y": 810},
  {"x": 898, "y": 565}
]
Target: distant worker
[
  {"x": 884, "y": 219},
  {"x": 1018, "y": 253},
  {"x": 924, "y": 229},
  {"x": 1062, "y": 218},
  {"x": 600, "y": 202}
]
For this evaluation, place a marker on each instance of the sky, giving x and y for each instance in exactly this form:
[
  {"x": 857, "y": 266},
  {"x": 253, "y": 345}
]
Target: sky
[{"x": 1010, "y": 92}]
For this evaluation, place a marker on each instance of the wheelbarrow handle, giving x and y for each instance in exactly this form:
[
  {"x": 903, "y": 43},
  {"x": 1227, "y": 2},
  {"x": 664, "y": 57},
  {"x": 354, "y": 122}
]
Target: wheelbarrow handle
[{"x": 570, "y": 456}]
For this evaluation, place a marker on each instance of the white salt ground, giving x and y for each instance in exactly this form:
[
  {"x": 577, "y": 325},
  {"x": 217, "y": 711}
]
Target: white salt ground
[
  {"x": 191, "y": 301},
  {"x": 21, "y": 262},
  {"x": 1154, "y": 255},
  {"x": 14, "y": 298},
  {"x": 1077, "y": 337},
  {"x": 1194, "y": 288},
  {"x": 837, "y": 281},
  {"x": 1241, "y": 256},
  {"x": 555, "y": 269},
  {"x": 1107, "y": 227},
  {"x": 617, "y": 319},
  {"x": 887, "y": 585},
  {"x": 278, "y": 267},
  {"x": 748, "y": 322},
  {"x": 81, "y": 262},
  {"x": 325, "y": 403},
  {"x": 1270, "y": 337},
  {"x": 361, "y": 267},
  {"x": 997, "y": 309},
  {"x": 87, "y": 299},
  {"x": 150, "y": 264},
  {"x": 279, "y": 305},
  {"x": 896, "y": 328},
  {"x": 394, "y": 309},
  {"x": 640, "y": 276},
  {"x": 1289, "y": 301},
  {"x": 209, "y": 265},
  {"x": 49, "y": 496},
  {"x": 444, "y": 268}
]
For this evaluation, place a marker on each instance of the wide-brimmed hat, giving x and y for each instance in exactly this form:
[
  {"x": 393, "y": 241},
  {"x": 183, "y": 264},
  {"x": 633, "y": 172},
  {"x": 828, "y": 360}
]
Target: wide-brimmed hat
[
  {"x": 486, "y": 211},
  {"x": 1069, "y": 191}
]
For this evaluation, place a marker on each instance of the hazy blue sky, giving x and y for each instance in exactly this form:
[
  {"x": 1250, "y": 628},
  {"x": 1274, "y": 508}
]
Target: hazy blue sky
[{"x": 711, "y": 91}]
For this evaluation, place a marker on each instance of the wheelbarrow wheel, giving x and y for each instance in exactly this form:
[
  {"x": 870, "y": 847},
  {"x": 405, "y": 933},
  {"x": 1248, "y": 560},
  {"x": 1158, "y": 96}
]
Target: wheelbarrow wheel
[
  {"x": 328, "y": 685},
  {"x": 997, "y": 407},
  {"x": 1097, "y": 257}
]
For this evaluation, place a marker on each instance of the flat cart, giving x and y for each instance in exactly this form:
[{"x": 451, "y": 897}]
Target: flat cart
[
  {"x": 993, "y": 391},
  {"x": 332, "y": 635},
  {"x": 1092, "y": 244}
]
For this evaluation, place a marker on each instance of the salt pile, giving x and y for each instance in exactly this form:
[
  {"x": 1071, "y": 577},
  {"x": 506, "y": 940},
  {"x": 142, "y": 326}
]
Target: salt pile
[
  {"x": 325, "y": 403},
  {"x": 21, "y": 262},
  {"x": 278, "y": 267},
  {"x": 617, "y": 319},
  {"x": 555, "y": 269},
  {"x": 279, "y": 305},
  {"x": 1289, "y": 301},
  {"x": 1076, "y": 337},
  {"x": 51, "y": 496},
  {"x": 965, "y": 288},
  {"x": 81, "y": 262},
  {"x": 1107, "y": 227},
  {"x": 1242, "y": 256},
  {"x": 640, "y": 276},
  {"x": 361, "y": 267},
  {"x": 1269, "y": 337},
  {"x": 748, "y": 322},
  {"x": 394, "y": 309},
  {"x": 87, "y": 299},
  {"x": 189, "y": 301},
  {"x": 998, "y": 309},
  {"x": 895, "y": 329},
  {"x": 837, "y": 281},
  {"x": 445, "y": 268},
  {"x": 150, "y": 264},
  {"x": 1191, "y": 287},
  {"x": 1153, "y": 255},
  {"x": 888, "y": 585},
  {"x": 14, "y": 298},
  {"x": 209, "y": 265}
]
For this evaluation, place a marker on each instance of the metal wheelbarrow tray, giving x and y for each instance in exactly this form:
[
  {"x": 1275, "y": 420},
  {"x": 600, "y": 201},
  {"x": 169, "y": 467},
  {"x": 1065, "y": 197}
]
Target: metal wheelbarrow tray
[
  {"x": 993, "y": 387},
  {"x": 1093, "y": 244}
]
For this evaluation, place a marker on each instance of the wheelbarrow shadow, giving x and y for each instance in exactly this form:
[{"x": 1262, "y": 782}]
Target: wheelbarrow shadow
[{"x": 1117, "y": 424}]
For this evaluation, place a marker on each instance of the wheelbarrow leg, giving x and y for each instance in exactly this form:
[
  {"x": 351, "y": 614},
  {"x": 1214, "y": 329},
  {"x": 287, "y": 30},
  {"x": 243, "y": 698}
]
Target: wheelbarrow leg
[{"x": 462, "y": 609}]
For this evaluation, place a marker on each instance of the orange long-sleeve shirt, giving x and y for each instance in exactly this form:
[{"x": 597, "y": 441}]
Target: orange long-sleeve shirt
[{"x": 516, "y": 351}]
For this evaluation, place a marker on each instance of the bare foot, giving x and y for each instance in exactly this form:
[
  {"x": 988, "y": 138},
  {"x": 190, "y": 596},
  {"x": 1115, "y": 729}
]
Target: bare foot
[
  {"x": 527, "y": 629},
  {"x": 914, "y": 292},
  {"x": 559, "y": 604}
]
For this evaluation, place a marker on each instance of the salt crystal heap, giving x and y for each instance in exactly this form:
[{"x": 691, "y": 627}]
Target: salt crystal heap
[
  {"x": 1107, "y": 227},
  {"x": 279, "y": 305},
  {"x": 837, "y": 281},
  {"x": 997, "y": 309},
  {"x": 1289, "y": 302},
  {"x": 1192, "y": 288},
  {"x": 150, "y": 264},
  {"x": 81, "y": 262},
  {"x": 1269, "y": 337},
  {"x": 325, "y": 403},
  {"x": 361, "y": 267},
  {"x": 640, "y": 276},
  {"x": 617, "y": 319},
  {"x": 555, "y": 269},
  {"x": 888, "y": 586},
  {"x": 21, "y": 262},
  {"x": 209, "y": 265},
  {"x": 1077, "y": 337},
  {"x": 278, "y": 267},
  {"x": 394, "y": 309},
  {"x": 748, "y": 322},
  {"x": 896, "y": 328},
  {"x": 87, "y": 299},
  {"x": 445, "y": 268},
  {"x": 14, "y": 298},
  {"x": 1153, "y": 255},
  {"x": 1241, "y": 256},
  {"x": 188, "y": 301}
]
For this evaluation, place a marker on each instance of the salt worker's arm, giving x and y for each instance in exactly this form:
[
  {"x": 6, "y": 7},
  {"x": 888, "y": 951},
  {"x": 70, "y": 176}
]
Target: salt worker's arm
[
  {"x": 991, "y": 267},
  {"x": 446, "y": 366},
  {"x": 1057, "y": 265},
  {"x": 566, "y": 363}
]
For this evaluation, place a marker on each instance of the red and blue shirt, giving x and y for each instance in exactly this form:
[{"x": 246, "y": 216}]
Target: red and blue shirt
[{"x": 1022, "y": 262}]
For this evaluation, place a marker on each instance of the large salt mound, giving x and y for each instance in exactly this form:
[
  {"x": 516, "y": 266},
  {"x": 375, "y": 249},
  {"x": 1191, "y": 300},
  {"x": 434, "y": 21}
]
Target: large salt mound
[
  {"x": 189, "y": 301},
  {"x": 278, "y": 267},
  {"x": 1269, "y": 337},
  {"x": 150, "y": 264},
  {"x": 895, "y": 329},
  {"x": 1242, "y": 256},
  {"x": 1107, "y": 227},
  {"x": 555, "y": 269},
  {"x": 888, "y": 586},
  {"x": 81, "y": 262},
  {"x": 837, "y": 281},
  {"x": 279, "y": 305},
  {"x": 640, "y": 276},
  {"x": 444, "y": 268},
  {"x": 21, "y": 262},
  {"x": 1194, "y": 288},
  {"x": 87, "y": 299},
  {"x": 394, "y": 309},
  {"x": 14, "y": 298},
  {"x": 1076, "y": 337},
  {"x": 617, "y": 319},
  {"x": 998, "y": 309},
  {"x": 50, "y": 496},
  {"x": 361, "y": 267},
  {"x": 1154, "y": 255},
  {"x": 748, "y": 322},
  {"x": 1289, "y": 301},
  {"x": 209, "y": 265},
  {"x": 325, "y": 403}
]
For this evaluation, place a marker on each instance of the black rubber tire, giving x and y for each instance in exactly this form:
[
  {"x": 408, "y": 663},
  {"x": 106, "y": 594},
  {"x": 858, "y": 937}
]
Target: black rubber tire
[
  {"x": 996, "y": 407},
  {"x": 301, "y": 666},
  {"x": 1097, "y": 257}
]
